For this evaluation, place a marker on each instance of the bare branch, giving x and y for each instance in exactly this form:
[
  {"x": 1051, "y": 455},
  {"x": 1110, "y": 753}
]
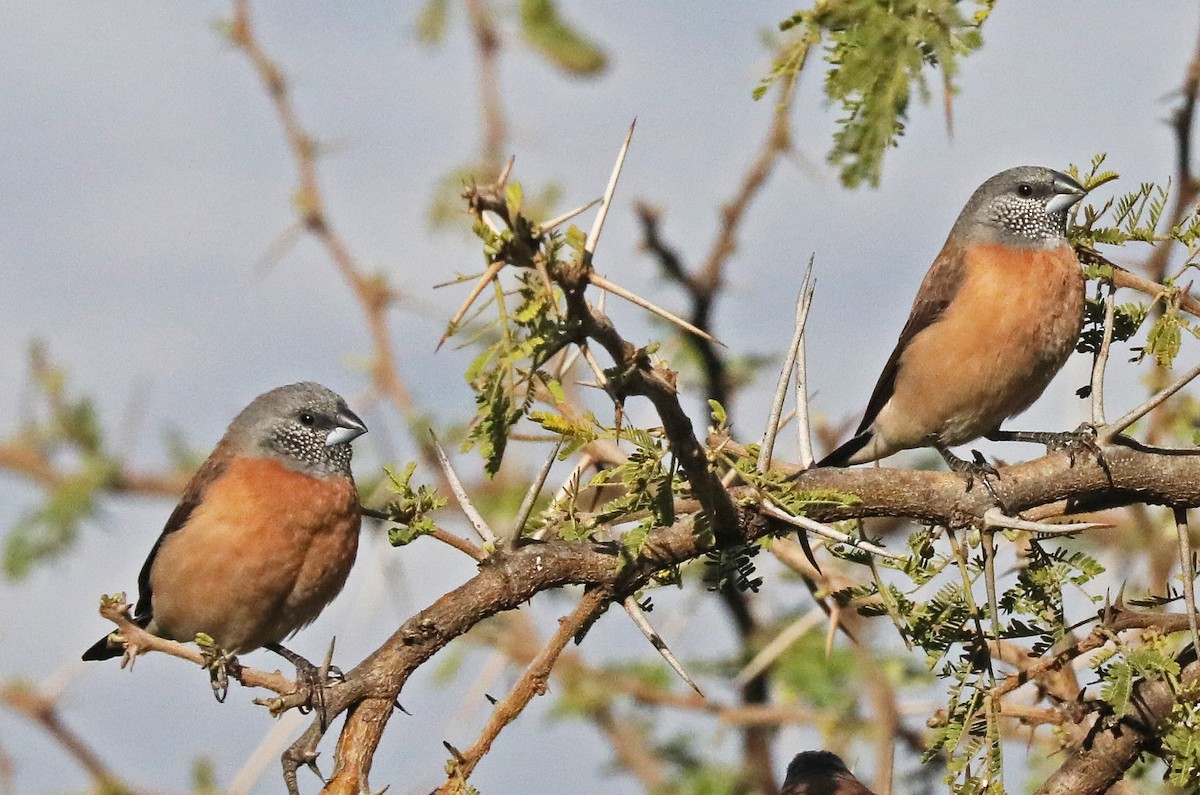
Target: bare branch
[
  {"x": 803, "y": 303},
  {"x": 1110, "y": 431},
  {"x": 1101, "y": 362},
  {"x": 638, "y": 616},
  {"x": 1187, "y": 570},
  {"x": 606, "y": 285},
  {"x": 460, "y": 493},
  {"x": 593, "y": 237},
  {"x": 531, "y": 683}
]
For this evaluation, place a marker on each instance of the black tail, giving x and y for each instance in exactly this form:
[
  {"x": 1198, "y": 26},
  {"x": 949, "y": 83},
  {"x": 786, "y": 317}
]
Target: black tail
[
  {"x": 104, "y": 649},
  {"x": 841, "y": 456}
]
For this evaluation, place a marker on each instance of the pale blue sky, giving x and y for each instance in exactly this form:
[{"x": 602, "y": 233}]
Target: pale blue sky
[{"x": 143, "y": 177}]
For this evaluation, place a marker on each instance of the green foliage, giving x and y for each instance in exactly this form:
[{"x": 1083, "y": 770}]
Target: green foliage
[
  {"x": 559, "y": 43},
  {"x": 1127, "y": 319},
  {"x": 1182, "y": 743},
  {"x": 204, "y": 776},
  {"x": 52, "y": 528},
  {"x": 825, "y": 681},
  {"x": 1134, "y": 216},
  {"x": 410, "y": 508},
  {"x": 66, "y": 428},
  {"x": 732, "y": 567},
  {"x": 430, "y": 26},
  {"x": 949, "y": 626},
  {"x": 506, "y": 373},
  {"x": 878, "y": 53}
]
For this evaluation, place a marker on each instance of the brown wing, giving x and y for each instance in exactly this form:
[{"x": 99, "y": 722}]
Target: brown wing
[
  {"x": 208, "y": 472},
  {"x": 937, "y": 290}
]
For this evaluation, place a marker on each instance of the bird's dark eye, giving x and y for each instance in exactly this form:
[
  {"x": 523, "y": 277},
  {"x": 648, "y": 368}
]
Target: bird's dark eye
[
  {"x": 307, "y": 418},
  {"x": 1025, "y": 189}
]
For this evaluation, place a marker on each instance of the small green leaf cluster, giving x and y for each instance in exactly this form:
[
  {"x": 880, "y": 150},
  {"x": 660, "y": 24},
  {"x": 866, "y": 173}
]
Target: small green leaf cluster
[
  {"x": 410, "y": 507},
  {"x": 878, "y": 53},
  {"x": 529, "y": 327},
  {"x": 1134, "y": 217},
  {"x": 68, "y": 431},
  {"x": 949, "y": 626}
]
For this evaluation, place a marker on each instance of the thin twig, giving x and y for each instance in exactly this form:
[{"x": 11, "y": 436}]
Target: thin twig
[
  {"x": 1108, "y": 432},
  {"x": 606, "y": 285},
  {"x": 42, "y": 710},
  {"x": 638, "y": 616},
  {"x": 1187, "y": 571},
  {"x": 593, "y": 237},
  {"x": 804, "y": 446},
  {"x": 826, "y": 532},
  {"x": 535, "y": 489},
  {"x": 531, "y": 683},
  {"x": 460, "y": 493},
  {"x": 994, "y": 517},
  {"x": 138, "y": 641},
  {"x": 546, "y": 226},
  {"x": 479, "y": 287},
  {"x": 803, "y": 303},
  {"x": 487, "y": 51},
  {"x": 373, "y": 294},
  {"x": 778, "y": 645},
  {"x": 1101, "y": 362},
  {"x": 988, "y": 539}
]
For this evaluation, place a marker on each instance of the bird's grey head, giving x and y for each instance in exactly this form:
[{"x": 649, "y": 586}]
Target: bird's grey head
[
  {"x": 305, "y": 426},
  {"x": 1025, "y": 206}
]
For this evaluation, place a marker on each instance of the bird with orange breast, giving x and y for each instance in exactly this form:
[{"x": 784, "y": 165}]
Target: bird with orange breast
[
  {"x": 265, "y": 534},
  {"x": 821, "y": 773},
  {"x": 994, "y": 320}
]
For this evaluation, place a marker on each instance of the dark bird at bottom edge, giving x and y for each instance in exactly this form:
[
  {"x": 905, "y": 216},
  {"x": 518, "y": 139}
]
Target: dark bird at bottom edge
[
  {"x": 821, "y": 773},
  {"x": 266, "y": 531},
  {"x": 994, "y": 320}
]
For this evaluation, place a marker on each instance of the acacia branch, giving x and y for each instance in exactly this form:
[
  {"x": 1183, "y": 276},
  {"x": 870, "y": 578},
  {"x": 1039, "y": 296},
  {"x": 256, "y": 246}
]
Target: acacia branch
[
  {"x": 372, "y": 293},
  {"x": 531, "y": 683},
  {"x": 1117, "y": 743},
  {"x": 510, "y": 578},
  {"x": 43, "y": 711}
]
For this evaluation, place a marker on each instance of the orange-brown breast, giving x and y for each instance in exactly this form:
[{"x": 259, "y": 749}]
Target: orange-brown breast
[
  {"x": 258, "y": 558},
  {"x": 1009, "y": 329}
]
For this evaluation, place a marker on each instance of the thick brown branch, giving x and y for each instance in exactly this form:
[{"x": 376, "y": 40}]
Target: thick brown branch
[
  {"x": 1116, "y": 744},
  {"x": 507, "y": 579}
]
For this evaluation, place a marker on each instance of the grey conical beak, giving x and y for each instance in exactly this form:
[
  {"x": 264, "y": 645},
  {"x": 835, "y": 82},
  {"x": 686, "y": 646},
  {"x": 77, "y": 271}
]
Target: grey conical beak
[
  {"x": 1066, "y": 193},
  {"x": 349, "y": 427}
]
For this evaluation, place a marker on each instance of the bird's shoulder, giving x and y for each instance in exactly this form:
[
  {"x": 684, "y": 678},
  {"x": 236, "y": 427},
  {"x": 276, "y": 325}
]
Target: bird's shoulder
[
  {"x": 937, "y": 290},
  {"x": 193, "y": 495}
]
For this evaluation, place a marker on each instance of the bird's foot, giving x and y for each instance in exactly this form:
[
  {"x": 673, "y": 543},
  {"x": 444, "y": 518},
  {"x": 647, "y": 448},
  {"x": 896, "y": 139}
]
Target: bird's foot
[
  {"x": 1083, "y": 438},
  {"x": 221, "y": 665},
  {"x": 311, "y": 680},
  {"x": 978, "y": 468}
]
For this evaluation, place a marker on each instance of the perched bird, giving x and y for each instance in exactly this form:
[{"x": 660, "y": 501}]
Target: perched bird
[
  {"x": 994, "y": 319},
  {"x": 265, "y": 534},
  {"x": 821, "y": 773}
]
